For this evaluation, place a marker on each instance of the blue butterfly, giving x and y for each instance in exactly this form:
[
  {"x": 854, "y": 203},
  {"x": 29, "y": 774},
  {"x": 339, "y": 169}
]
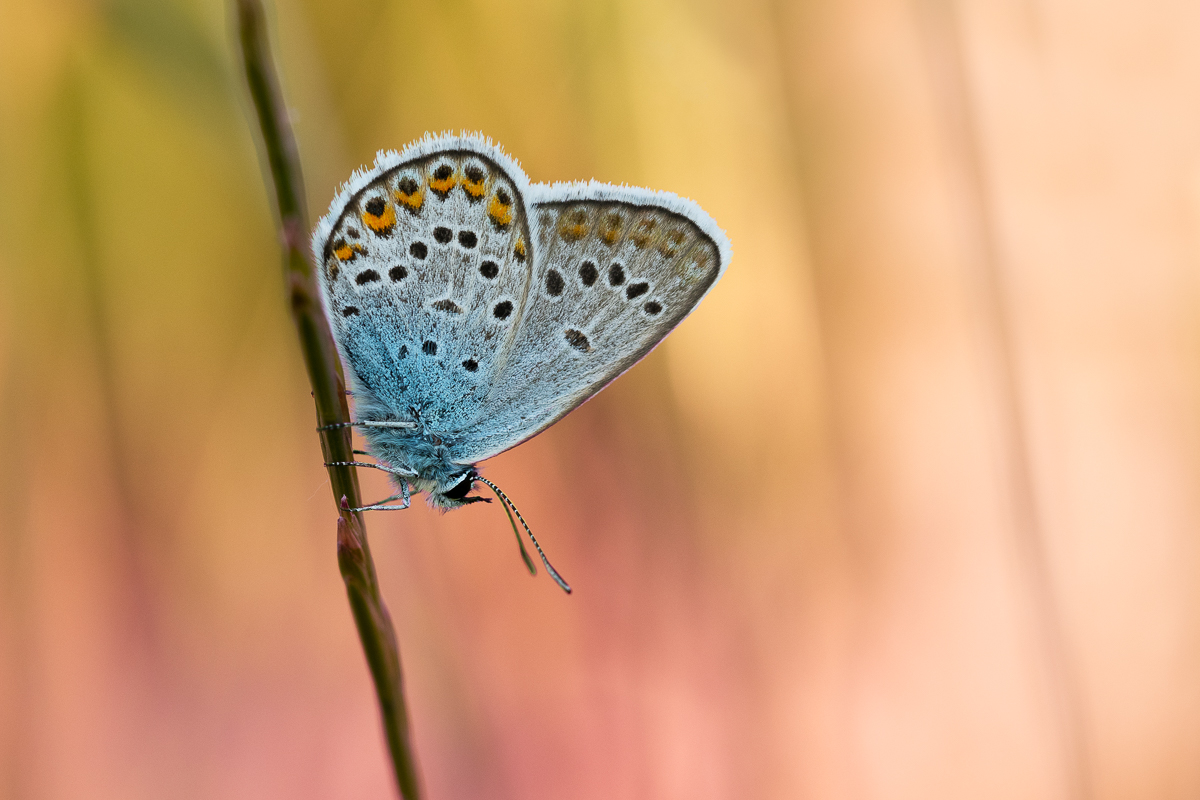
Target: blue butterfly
[{"x": 475, "y": 309}]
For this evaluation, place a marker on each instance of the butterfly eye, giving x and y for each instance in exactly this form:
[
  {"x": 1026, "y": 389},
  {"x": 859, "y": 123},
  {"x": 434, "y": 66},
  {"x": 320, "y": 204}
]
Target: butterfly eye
[{"x": 459, "y": 490}]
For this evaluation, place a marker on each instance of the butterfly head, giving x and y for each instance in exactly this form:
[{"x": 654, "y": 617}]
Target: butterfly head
[
  {"x": 457, "y": 492},
  {"x": 448, "y": 488}
]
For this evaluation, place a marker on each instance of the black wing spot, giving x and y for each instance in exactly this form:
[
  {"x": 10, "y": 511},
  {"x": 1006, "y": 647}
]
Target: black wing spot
[
  {"x": 474, "y": 174},
  {"x": 442, "y": 235},
  {"x": 588, "y": 273},
  {"x": 403, "y": 352},
  {"x": 375, "y": 206},
  {"x": 616, "y": 275},
  {"x": 502, "y": 310},
  {"x": 504, "y": 197},
  {"x": 637, "y": 290},
  {"x": 418, "y": 250},
  {"x": 577, "y": 340},
  {"x": 349, "y": 311},
  {"x": 470, "y": 365},
  {"x": 489, "y": 269},
  {"x": 398, "y": 273},
  {"x": 467, "y": 239},
  {"x": 429, "y": 348},
  {"x": 554, "y": 283},
  {"x": 366, "y": 276},
  {"x": 652, "y": 307},
  {"x": 443, "y": 172},
  {"x": 352, "y": 233},
  {"x": 407, "y": 185},
  {"x": 449, "y": 306}
]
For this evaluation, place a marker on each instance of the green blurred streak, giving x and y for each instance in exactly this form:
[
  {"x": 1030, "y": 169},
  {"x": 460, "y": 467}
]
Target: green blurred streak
[{"x": 172, "y": 45}]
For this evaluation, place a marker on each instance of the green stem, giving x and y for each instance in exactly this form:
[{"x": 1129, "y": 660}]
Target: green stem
[{"x": 328, "y": 386}]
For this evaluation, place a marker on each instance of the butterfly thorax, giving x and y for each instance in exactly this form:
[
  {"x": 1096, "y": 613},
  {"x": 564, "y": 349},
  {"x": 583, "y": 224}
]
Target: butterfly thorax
[{"x": 421, "y": 450}]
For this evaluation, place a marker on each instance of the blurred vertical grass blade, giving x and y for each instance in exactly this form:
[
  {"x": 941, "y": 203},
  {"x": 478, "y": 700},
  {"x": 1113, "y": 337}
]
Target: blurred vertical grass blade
[
  {"x": 942, "y": 32},
  {"x": 328, "y": 385}
]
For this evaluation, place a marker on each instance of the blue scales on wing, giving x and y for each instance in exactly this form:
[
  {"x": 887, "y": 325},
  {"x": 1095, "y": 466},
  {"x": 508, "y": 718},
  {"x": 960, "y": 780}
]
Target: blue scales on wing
[{"x": 424, "y": 271}]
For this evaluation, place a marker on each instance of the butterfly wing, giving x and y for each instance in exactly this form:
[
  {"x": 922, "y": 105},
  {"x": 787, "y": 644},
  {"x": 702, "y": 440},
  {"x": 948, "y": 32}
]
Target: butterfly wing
[
  {"x": 615, "y": 269},
  {"x": 425, "y": 266}
]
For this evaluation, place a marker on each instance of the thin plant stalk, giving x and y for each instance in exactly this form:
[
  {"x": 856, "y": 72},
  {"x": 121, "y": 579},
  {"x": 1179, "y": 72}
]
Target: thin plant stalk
[{"x": 329, "y": 393}]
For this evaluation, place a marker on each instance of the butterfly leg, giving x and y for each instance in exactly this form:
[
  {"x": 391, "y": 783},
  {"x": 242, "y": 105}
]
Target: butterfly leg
[
  {"x": 381, "y": 505},
  {"x": 390, "y": 470},
  {"x": 368, "y": 424}
]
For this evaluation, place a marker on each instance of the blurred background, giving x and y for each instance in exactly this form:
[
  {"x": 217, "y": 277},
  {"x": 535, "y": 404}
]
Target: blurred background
[{"x": 906, "y": 509}]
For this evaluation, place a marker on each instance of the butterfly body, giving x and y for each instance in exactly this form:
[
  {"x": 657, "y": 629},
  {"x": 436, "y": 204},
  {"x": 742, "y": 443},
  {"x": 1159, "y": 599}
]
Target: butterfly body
[{"x": 476, "y": 309}]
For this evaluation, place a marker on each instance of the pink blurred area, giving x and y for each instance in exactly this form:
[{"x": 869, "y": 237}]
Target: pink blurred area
[{"x": 907, "y": 508}]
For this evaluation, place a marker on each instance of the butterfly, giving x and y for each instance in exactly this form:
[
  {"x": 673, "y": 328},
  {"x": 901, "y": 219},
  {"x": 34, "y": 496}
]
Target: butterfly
[{"x": 475, "y": 309}]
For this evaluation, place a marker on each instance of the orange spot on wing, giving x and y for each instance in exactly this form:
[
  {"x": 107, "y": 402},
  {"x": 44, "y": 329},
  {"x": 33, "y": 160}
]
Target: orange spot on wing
[
  {"x": 573, "y": 224},
  {"x": 346, "y": 251},
  {"x": 409, "y": 193},
  {"x": 519, "y": 249},
  {"x": 500, "y": 213},
  {"x": 443, "y": 179},
  {"x": 474, "y": 189},
  {"x": 410, "y": 201},
  {"x": 672, "y": 243},
  {"x": 610, "y": 228},
  {"x": 381, "y": 223},
  {"x": 644, "y": 232}
]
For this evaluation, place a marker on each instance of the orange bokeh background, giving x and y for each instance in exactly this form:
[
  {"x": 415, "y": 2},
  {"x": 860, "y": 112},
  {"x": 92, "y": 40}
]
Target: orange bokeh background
[{"x": 906, "y": 509}]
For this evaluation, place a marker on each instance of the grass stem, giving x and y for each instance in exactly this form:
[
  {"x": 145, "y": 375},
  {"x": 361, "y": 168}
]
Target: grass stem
[{"x": 328, "y": 387}]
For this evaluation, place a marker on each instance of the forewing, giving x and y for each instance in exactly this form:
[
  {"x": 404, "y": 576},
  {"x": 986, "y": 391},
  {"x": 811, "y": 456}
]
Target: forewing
[
  {"x": 425, "y": 265},
  {"x": 615, "y": 269}
]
